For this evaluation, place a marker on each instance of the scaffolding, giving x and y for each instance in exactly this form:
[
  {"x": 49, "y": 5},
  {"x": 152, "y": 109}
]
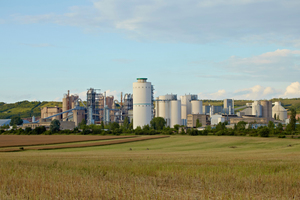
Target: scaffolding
[{"x": 93, "y": 98}]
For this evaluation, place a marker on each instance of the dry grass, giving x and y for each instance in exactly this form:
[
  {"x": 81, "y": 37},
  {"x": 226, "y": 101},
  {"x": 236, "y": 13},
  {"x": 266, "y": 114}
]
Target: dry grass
[
  {"x": 96, "y": 143},
  {"x": 30, "y": 140},
  {"x": 172, "y": 168}
]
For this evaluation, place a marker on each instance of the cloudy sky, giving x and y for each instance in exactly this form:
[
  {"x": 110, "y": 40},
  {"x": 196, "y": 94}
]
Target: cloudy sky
[{"x": 242, "y": 49}]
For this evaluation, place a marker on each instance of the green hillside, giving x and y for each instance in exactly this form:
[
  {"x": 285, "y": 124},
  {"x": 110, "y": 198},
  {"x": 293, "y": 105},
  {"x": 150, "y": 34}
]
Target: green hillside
[{"x": 26, "y": 109}]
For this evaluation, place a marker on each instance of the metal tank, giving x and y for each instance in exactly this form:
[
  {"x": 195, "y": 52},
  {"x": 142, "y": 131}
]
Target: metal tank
[
  {"x": 175, "y": 114},
  {"x": 266, "y": 109},
  {"x": 256, "y": 109},
  {"x": 196, "y": 106},
  {"x": 142, "y": 102},
  {"x": 165, "y": 106},
  {"x": 280, "y": 111}
]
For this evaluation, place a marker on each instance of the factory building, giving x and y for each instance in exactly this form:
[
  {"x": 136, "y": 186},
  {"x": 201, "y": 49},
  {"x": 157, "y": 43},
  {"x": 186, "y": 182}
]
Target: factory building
[
  {"x": 192, "y": 120},
  {"x": 279, "y": 112},
  {"x": 68, "y": 103},
  {"x": 266, "y": 109},
  {"x": 49, "y": 111},
  {"x": 196, "y": 107},
  {"x": 216, "y": 119},
  {"x": 167, "y": 108},
  {"x": 64, "y": 125},
  {"x": 186, "y": 106},
  {"x": 228, "y": 106},
  {"x": 142, "y": 102},
  {"x": 256, "y": 109},
  {"x": 254, "y": 120}
]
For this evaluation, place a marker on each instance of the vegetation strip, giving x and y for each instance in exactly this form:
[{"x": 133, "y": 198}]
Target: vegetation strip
[
  {"x": 97, "y": 143},
  {"x": 31, "y": 140}
]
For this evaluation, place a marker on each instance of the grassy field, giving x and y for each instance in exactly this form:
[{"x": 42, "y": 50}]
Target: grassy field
[{"x": 178, "y": 167}]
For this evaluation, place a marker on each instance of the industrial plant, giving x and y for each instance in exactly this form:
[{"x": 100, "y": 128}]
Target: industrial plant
[{"x": 140, "y": 107}]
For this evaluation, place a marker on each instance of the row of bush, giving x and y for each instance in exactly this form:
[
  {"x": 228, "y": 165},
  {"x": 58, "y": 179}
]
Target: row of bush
[{"x": 157, "y": 126}]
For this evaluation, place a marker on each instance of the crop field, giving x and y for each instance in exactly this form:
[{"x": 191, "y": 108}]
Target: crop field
[
  {"x": 29, "y": 140},
  {"x": 176, "y": 167}
]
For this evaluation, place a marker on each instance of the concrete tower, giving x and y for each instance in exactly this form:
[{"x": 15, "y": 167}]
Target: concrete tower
[{"x": 142, "y": 103}]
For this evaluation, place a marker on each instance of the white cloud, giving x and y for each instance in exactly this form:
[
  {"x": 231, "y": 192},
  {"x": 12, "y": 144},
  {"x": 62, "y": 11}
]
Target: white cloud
[
  {"x": 57, "y": 99},
  {"x": 220, "y": 94},
  {"x": 282, "y": 65},
  {"x": 256, "y": 93},
  {"x": 186, "y": 21},
  {"x": 293, "y": 90},
  {"x": 114, "y": 93}
]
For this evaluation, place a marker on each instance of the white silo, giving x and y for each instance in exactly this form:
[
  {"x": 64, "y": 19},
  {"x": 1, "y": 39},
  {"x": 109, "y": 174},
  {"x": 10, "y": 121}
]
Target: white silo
[
  {"x": 165, "y": 106},
  {"x": 175, "y": 114},
  {"x": 196, "y": 107},
  {"x": 186, "y": 106},
  {"x": 256, "y": 109},
  {"x": 280, "y": 111},
  {"x": 142, "y": 102}
]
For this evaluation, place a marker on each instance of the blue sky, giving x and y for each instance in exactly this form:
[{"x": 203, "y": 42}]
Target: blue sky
[{"x": 242, "y": 49}]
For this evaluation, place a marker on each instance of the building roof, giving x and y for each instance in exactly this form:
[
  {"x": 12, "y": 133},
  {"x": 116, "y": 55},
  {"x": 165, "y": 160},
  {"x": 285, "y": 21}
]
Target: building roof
[
  {"x": 4, "y": 122},
  {"x": 7, "y": 121}
]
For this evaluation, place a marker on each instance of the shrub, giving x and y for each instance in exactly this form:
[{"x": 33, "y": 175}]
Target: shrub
[{"x": 264, "y": 132}]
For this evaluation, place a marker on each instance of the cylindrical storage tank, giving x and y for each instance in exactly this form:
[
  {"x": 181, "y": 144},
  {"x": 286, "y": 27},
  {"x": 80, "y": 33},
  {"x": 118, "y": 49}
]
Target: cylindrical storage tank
[
  {"x": 266, "y": 109},
  {"x": 196, "y": 107},
  {"x": 142, "y": 103},
  {"x": 175, "y": 114},
  {"x": 165, "y": 107},
  {"x": 65, "y": 106}
]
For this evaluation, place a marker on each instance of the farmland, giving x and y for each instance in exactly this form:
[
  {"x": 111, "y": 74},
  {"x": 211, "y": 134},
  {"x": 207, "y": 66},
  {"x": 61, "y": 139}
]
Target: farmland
[
  {"x": 30, "y": 140},
  {"x": 177, "y": 167}
]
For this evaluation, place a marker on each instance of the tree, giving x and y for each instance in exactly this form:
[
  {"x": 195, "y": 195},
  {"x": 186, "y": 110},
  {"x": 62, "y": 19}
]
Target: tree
[
  {"x": 264, "y": 132},
  {"x": 54, "y": 126},
  {"x": 241, "y": 125},
  {"x": 293, "y": 119},
  {"x": 126, "y": 123},
  {"x": 198, "y": 124},
  {"x": 82, "y": 124},
  {"x": 176, "y": 127},
  {"x": 113, "y": 126},
  {"x": 102, "y": 125},
  {"x": 16, "y": 120},
  {"x": 279, "y": 127},
  {"x": 271, "y": 125},
  {"x": 158, "y": 123},
  {"x": 275, "y": 116}
]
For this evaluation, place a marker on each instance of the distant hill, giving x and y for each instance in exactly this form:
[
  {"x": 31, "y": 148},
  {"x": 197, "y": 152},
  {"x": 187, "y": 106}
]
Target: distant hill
[{"x": 26, "y": 109}]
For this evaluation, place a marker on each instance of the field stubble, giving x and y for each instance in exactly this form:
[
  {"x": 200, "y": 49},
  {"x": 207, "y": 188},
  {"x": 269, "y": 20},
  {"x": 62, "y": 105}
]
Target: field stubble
[{"x": 151, "y": 174}]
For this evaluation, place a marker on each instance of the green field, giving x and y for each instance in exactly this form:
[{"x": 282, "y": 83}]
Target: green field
[{"x": 178, "y": 167}]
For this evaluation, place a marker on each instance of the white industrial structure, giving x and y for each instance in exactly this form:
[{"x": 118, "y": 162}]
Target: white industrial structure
[
  {"x": 279, "y": 112},
  {"x": 142, "y": 102},
  {"x": 196, "y": 106},
  {"x": 186, "y": 106},
  {"x": 228, "y": 106},
  {"x": 175, "y": 113},
  {"x": 163, "y": 108},
  {"x": 256, "y": 109}
]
